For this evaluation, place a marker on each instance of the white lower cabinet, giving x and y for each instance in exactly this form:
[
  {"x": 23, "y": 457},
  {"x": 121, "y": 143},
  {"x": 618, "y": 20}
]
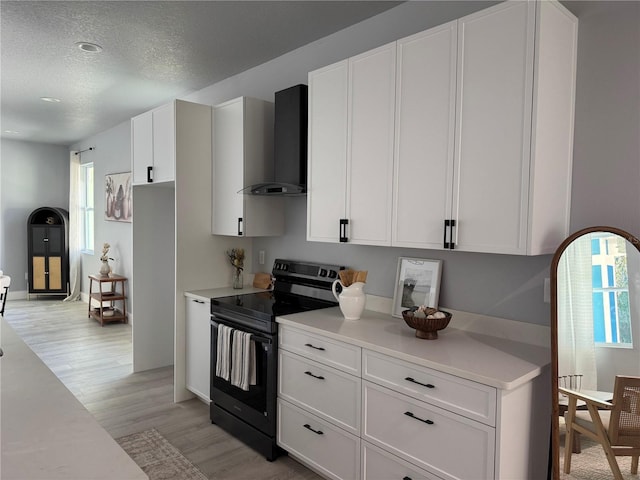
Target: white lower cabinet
[
  {"x": 378, "y": 464},
  {"x": 327, "y": 449},
  {"x": 198, "y": 347},
  {"x": 324, "y": 391},
  {"x": 447, "y": 444},
  {"x": 352, "y": 413}
]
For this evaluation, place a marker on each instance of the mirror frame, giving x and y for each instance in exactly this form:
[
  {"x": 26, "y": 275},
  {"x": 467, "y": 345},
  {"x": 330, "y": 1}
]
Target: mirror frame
[{"x": 555, "y": 421}]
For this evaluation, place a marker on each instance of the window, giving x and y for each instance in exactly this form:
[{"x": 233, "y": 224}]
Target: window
[
  {"x": 86, "y": 207},
  {"x": 611, "y": 310}
]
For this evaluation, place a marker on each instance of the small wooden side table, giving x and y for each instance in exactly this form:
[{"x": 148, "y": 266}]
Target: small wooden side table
[{"x": 111, "y": 296}]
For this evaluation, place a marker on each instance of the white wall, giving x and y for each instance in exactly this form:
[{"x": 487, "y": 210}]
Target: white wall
[{"x": 32, "y": 175}]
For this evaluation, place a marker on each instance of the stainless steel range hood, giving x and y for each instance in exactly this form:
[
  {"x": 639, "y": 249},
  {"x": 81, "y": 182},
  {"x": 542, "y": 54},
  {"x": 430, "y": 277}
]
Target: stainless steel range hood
[{"x": 290, "y": 146}]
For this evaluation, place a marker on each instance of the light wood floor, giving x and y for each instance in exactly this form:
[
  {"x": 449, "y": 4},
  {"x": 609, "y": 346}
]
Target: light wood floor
[{"x": 94, "y": 363}]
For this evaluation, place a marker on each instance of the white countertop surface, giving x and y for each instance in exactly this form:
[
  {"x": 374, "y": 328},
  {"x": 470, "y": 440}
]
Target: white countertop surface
[
  {"x": 493, "y": 361},
  {"x": 46, "y": 432}
]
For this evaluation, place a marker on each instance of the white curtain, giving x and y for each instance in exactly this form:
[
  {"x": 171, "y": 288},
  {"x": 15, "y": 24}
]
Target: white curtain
[
  {"x": 576, "y": 346},
  {"x": 74, "y": 228}
]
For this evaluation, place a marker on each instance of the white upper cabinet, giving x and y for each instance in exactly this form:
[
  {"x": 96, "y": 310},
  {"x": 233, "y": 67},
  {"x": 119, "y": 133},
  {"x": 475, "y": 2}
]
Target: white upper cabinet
[
  {"x": 153, "y": 140},
  {"x": 372, "y": 84},
  {"x": 425, "y": 125},
  {"x": 327, "y": 156},
  {"x": 350, "y": 169},
  {"x": 242, "y": 156},
  {"x": 514, "y": 131},
  {"x": 481, "y": 156}
]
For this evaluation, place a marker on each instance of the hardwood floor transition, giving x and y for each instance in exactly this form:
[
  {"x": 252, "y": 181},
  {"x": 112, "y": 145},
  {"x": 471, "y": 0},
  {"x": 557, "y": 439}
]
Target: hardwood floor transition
[{"x": 95, "y": 364}]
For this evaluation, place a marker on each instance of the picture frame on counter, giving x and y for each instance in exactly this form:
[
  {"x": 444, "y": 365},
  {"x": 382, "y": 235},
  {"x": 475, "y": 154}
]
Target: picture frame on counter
[{"x": 417, "y": 283}]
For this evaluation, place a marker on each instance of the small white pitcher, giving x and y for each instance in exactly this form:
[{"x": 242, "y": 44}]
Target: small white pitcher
[{"x": 351, "y": 299}]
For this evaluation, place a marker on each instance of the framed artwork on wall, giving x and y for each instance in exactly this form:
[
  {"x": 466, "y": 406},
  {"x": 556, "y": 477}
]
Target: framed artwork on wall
[
  {"x": 117, "y": 202},
  {"x": 417, "y": 283}
]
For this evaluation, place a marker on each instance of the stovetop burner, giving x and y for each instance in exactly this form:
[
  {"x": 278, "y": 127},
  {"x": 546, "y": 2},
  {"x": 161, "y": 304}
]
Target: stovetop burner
[{"x": 298, "y": 287}]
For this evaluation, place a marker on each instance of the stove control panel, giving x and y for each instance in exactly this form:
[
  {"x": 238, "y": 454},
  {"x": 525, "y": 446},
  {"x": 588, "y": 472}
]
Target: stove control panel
[{"x": 292, "y": 269}]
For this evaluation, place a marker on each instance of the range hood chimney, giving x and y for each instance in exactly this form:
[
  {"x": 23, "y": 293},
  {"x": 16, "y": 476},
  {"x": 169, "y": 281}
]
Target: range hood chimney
[{"x": 290, "y": 145}]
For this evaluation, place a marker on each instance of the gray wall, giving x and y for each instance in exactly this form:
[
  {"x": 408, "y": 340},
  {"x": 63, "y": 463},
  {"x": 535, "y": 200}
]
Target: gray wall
[
  {"x": 111, "y": 154},
  {"x": 32, "y": 175},
  {"x": 606, "y": 167},
  {"x": 606, "y": 154}
]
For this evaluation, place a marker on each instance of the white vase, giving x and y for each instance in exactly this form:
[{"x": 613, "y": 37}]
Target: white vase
[
  {"x": 351, "y": 299},
  {"x": 105, "y": 269}
]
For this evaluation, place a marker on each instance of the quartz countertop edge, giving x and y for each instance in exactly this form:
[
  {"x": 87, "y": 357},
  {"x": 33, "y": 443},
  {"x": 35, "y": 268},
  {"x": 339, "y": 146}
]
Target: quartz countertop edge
[
  {"x": 490, "y": 360},
  {"x": 209, "y": 293},
  {"x": 46, "y": 431}
]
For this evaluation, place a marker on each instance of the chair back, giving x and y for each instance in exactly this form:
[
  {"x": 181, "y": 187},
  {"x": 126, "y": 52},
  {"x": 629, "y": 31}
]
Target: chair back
[{"x": 624, "y": 424}]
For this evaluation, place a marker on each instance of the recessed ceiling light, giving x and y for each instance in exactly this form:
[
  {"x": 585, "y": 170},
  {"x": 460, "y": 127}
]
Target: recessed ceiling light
[
  {"x": 89, "y": 47},
  {"x": 50, "y": 99}
]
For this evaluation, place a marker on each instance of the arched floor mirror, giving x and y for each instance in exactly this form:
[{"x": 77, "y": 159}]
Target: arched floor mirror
[{"x": 595, "y": 320}]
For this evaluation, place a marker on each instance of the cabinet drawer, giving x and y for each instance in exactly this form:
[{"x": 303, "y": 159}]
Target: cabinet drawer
[
  {"x": 333, "y": 353},
  {"x": 444, "y": 443},
  {"x": 456, "y": 394},
  {"x": 380, "y": 465},
  {"x": 324, "y": 447},
  {"x": 324, "y": 391}
]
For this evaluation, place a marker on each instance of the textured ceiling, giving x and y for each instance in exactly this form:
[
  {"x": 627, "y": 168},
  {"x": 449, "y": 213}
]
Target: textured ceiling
[{"x": 153, "y": 51}]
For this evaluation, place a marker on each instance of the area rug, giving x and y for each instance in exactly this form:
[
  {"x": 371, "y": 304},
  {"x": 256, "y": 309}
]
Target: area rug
[
  {"x": 158, "y": 458},
  {"x": 591, "y": 463}
]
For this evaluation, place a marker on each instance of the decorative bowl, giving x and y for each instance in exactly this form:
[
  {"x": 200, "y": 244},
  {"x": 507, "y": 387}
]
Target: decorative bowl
[{"x": 426, "y": 328}]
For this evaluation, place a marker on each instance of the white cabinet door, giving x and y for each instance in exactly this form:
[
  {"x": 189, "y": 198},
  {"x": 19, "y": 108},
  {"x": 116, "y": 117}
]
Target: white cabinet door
[
  {"x": 327, "y": 162},
  {"x": 372, "y": 78},
  {"x": 493, "y": 138},
  {"x": 153, "y": 140},
  {"x": 324, "y": 447},
  {"x": 198, "y": 347},
  {"x": 141, "y": 146},
  {"x": 228, "y": 166},
  {"x": 243, "y": 156},
  {"x": 164, "y": 143},
  {"x": 425, "y": 127}
]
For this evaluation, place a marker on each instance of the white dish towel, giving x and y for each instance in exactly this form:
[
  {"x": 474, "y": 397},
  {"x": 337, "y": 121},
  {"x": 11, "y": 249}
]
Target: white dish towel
[
  {"x": 243, "y": 361},
  {"x": 223, "y": 351}
]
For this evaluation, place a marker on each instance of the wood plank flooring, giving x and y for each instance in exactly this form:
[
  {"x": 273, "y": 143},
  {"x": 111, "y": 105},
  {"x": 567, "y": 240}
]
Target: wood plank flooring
[{"x": 95, "y": 364}]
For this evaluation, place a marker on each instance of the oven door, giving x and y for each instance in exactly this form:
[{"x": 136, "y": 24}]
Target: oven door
[{"x": 257, "y": 406}]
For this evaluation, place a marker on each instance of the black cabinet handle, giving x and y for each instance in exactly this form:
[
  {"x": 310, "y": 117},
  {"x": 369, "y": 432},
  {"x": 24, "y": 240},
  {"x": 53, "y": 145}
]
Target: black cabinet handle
[
  {"x": 452, "y": 245},
  {"x": 448, "y": 227},
  {"x": 407, "y": 478},
  {"x": 198, "y": 301},
  {"x": 149, "y": 174},
  {"x": 428, "y": 385},
  {"x": 410, "y": 414},
  {"x": 240, "y": 229},
  {"x": 319, "y": 377},
  {"x": 317, "y": 432},
  {"x": 343, "y": 230},
  {"x": 313, "y": 346}
]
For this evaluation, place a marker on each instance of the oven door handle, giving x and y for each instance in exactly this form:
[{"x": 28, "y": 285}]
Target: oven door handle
[{"x": 257, "y": 338}]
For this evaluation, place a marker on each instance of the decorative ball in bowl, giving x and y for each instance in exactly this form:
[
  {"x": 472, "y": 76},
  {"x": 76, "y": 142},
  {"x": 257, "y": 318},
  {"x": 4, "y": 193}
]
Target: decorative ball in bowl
[{"x": 427, "y": 321}]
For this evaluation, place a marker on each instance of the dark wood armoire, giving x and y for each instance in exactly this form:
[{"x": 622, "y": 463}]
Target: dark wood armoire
[{"x": 48, "y": 237}]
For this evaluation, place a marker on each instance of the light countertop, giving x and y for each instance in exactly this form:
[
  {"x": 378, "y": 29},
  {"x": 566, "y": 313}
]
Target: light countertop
[
  {"x": 46, "y": 432},
  {"x": 498, "y": 362},
  {"x": 210, "y": 293}
]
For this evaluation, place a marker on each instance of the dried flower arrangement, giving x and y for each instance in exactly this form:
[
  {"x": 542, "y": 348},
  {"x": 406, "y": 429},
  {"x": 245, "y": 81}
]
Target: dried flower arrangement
[{"x": 236, "y": 257}]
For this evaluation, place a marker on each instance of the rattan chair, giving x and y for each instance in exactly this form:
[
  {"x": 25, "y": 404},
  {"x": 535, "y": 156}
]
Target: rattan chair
[{"x": 615, "y": 425}]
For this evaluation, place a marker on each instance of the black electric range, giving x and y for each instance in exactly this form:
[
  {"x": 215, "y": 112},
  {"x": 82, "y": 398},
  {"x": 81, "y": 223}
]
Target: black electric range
[
  {"x": 250, "y": 413},
  {"x": 298, "y": 287}
]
